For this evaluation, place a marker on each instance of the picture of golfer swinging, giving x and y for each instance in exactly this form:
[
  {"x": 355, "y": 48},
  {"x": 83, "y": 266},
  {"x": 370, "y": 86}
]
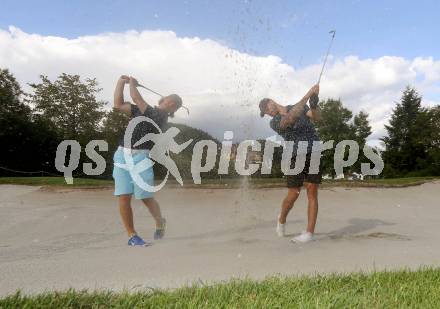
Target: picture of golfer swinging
[
  {"x": 125, "y": 187},
  {"x": 294, "y": 123}
]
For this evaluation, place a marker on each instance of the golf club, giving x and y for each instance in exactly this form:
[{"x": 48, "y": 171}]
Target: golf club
[
  {"x": 157, "y": 93},
  {"x": 151, "y": 90},
  {"x": 333, "y": 33}
]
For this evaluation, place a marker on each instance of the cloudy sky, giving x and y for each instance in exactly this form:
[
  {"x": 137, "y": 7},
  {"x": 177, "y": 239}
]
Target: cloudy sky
[{"x": 223, "y": 56}]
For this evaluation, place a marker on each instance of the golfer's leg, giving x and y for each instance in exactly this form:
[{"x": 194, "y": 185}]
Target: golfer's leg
[
  {"x": 126, "y": 213},
  {"x": 288, "y": 202},
  {"x": 312, "y": 196},
  {"x": 154, "y": 208},
  {"x": 123, "y": 190}
]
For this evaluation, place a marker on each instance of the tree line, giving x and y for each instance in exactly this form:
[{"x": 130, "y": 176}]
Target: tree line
[{"x": 33, "y": 124}]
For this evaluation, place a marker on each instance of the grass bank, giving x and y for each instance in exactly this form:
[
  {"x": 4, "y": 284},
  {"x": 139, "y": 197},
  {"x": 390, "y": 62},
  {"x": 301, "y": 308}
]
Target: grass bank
[
  {"x": 399, "y": 289},
  {"x": 217, "y": 183},
  {"x": 55, "y": 181}
]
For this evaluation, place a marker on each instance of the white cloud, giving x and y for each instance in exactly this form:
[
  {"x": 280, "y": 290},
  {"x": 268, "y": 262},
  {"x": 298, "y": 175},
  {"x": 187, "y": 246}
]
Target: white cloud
[{"x": 221, "y": 86}]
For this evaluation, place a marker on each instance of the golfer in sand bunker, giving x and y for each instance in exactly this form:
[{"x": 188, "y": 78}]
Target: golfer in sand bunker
[
  {"x": 294, "y": 124},
  {"x": 127, "y": 159}
]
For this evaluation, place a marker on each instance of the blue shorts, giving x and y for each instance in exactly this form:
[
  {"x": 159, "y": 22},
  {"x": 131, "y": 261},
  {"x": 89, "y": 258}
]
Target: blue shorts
[{"x": 124, "y": 183}]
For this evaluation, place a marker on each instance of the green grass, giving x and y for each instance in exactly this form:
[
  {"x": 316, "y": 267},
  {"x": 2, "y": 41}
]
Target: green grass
[
  {"x": 54, "y": 181},
  {"x": 216, "y": 183},
  {"x": 400, "y": 289},
  {"x": 388, "y": 182}
]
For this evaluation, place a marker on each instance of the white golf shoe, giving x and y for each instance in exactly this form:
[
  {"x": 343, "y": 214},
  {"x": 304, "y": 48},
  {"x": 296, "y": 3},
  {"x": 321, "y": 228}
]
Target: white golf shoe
[
  {"x": 281, "y": 228},
  {"x": 303, "y": 238}
]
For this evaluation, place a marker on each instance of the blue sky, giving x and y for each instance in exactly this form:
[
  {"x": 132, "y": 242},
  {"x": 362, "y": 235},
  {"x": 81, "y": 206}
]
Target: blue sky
[
  {"x": 380, "y": 47},
  {"x": 296, "y": 31}
]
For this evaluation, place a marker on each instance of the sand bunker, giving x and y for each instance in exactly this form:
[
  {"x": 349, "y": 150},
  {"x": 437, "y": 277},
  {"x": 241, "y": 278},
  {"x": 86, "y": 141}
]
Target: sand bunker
[{"x": 71, "y": 238}]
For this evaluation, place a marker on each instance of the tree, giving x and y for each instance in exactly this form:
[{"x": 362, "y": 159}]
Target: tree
[
  {"x": 434, "y": 146},
  {"x": 337, "y": 123},
  {"x": 361, "y": 130},
  {"x": 432, "y": 140},
  {"x": 28, "y": 142},
  {"x": 114, "y": 125},
  {"x": 10, "y": 93},
  {"x": 334, "y": 125},
  {"x": 70, "y": 105},
  {"x": 408, "y": 136}
]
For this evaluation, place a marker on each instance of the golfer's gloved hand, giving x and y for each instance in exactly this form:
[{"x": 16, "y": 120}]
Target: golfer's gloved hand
[{"x": 313, "y": 101}]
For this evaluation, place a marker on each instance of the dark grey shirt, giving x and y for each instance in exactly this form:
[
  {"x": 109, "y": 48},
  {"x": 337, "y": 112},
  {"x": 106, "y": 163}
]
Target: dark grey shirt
[
  {"x": 301, "y": 130},
  {"x": 158, "y": 116}
]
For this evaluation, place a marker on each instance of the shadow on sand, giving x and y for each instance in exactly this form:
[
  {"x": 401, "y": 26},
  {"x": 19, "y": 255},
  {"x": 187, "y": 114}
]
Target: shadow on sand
[
  {"x": 225, "y": 232},
  {"x": 357, "y": 227}
]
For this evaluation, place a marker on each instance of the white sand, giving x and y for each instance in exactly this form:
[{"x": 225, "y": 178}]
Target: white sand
[{"x": 56, "y": 240}]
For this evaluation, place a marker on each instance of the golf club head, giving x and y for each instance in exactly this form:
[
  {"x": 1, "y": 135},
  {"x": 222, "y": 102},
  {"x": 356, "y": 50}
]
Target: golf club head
[{"x": 185, "y": 108}]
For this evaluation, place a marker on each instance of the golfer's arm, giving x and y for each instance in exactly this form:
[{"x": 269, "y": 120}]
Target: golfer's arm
[
  {"x": 137, "y": 98},
  {"x": 314, "y": 114},
  {"x": 118, "y": 101},
  {"x": 294, "y": 113}
]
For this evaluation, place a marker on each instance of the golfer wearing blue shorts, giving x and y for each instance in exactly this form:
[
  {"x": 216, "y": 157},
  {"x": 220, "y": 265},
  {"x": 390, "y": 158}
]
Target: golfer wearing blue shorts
[{"x": 125, "y": 186}]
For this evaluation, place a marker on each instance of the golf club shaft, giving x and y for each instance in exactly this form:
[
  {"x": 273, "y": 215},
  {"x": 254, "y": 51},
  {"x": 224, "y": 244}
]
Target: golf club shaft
[
  {"x": 326, "y": 56},
  {"x": 151, "y": 90},
  {"x": 142, "y": 86}
]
